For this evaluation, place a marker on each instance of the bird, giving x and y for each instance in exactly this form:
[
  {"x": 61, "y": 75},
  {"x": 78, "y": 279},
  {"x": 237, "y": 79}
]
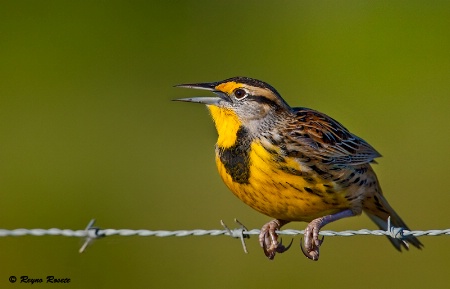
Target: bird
[{"x": 293, "y": 163}]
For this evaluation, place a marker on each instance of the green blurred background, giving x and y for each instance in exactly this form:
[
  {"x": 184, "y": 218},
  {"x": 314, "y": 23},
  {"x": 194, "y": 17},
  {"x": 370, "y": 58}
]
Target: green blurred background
[{"x": 87, "y": 130}]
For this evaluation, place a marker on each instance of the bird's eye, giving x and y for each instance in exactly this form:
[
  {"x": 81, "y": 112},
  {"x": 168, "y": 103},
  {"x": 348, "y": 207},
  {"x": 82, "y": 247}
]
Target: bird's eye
[{"x": 240, "y": 93}]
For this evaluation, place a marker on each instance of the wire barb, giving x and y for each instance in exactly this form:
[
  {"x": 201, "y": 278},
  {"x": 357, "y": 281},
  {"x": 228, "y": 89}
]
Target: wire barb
[
  {"x": 92, "y": 233},
  {"x": 240, "y": 233},
  {"x": 394, "y": 232}
]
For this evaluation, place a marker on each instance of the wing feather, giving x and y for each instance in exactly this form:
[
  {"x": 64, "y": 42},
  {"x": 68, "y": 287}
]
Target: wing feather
[{"x": 324, "y": 138}]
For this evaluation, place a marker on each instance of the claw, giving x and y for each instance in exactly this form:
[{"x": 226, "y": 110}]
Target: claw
[
  {"x": 281, "y": 248},
  {"x": 313, "y": 252},
  {"x": 321, "y": 240}
]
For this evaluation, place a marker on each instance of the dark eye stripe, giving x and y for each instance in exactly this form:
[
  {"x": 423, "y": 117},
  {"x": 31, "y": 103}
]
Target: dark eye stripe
[{"x": 262, "y": 99}]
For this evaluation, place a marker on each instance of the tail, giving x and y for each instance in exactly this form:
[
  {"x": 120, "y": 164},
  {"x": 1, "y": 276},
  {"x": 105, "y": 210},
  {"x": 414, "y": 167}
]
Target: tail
[{"x": 379, "y": 211}]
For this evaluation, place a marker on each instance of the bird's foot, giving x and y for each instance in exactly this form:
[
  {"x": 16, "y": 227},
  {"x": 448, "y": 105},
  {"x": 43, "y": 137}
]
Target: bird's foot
[
  {"x": 312, "y": 243},
  {"x": 268, "y": 239}
]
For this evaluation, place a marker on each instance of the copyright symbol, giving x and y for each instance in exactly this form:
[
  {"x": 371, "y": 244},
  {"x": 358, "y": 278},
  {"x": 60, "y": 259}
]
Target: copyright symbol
[{"x": 12, "y": 279}]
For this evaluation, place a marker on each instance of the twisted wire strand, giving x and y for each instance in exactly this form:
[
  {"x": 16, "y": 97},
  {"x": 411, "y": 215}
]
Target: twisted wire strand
[
  {"x": 96, "y": 233},
  {"x": 91, "y": 233}
]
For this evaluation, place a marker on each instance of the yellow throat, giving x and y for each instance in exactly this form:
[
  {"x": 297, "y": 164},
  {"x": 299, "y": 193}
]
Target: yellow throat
[{"x": 227, "y": 124}]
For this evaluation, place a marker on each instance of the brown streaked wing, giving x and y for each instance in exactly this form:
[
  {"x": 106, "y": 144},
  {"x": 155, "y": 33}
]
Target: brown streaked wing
[{"x": 322, "y": 137}]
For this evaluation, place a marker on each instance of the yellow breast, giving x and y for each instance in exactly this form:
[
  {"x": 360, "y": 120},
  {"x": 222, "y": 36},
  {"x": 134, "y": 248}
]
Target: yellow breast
[{"x": 284, "y": 189}]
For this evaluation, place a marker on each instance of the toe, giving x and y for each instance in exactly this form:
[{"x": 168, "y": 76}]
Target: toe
[
  {"x": 311, "y": 253},
  {"x": 268, "y": 239}
]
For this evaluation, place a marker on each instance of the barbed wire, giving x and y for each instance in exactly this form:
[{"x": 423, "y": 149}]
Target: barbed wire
[{"x": 91, "y": 233}]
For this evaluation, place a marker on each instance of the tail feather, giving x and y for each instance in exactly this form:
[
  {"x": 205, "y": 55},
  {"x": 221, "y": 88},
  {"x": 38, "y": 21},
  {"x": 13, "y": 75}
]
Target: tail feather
[{"x": 380, "y": 213}]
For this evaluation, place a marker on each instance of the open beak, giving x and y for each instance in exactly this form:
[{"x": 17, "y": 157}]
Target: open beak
[{"x": 211, "y": 86}]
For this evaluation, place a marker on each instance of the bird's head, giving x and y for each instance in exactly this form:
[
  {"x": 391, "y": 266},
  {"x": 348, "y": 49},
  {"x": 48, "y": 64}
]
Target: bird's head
[
  {"x": 239, "y": 101},
  {"x": 248, "y": 98}
]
